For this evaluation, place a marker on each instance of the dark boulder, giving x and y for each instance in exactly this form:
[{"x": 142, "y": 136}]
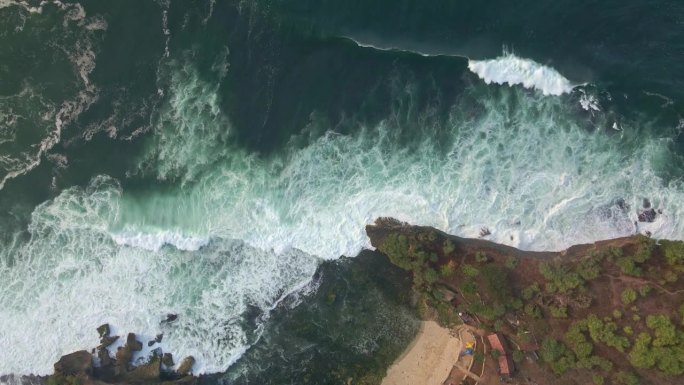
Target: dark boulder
[
  {"x": 132, "y": 343},
  {"x": 167, "y": 359},
  {"x": 74, "y": 363},
  {"x": 648, "y": 215},
  {"x": 185, "y": 366},
  {"x": 103, "y": 330},
  {"x": 106, "y": 341}
]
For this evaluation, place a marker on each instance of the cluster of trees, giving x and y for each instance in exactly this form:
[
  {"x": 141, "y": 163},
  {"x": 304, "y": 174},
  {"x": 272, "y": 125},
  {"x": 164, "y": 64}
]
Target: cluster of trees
[
  {"x": 663, "y": 350},
  {"x": 409, "y": 253}
]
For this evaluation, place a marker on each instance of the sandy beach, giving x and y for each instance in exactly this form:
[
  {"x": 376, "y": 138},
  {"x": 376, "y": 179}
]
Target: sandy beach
[{"x": 428, "y": 360}]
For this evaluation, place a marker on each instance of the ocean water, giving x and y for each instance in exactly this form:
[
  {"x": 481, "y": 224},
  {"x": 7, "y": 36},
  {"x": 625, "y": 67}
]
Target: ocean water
[{"x": 206, "y": 158}]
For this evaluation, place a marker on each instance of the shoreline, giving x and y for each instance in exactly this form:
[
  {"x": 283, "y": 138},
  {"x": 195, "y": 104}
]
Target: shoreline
[{"x": 428, "y": 359}]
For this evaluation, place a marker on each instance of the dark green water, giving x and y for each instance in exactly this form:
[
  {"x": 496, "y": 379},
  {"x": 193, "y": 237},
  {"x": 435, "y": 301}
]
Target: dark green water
[{"x": 206, "y": 158}]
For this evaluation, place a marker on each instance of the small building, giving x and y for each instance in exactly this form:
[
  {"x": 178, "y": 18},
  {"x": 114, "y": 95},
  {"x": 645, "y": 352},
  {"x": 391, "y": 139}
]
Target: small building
[
  {"x": 506, "y": 366},
  {"x": 498, "y": 343}
]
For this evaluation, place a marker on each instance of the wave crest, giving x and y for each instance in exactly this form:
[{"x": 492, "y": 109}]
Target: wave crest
[{"x": 512, "y": 70}]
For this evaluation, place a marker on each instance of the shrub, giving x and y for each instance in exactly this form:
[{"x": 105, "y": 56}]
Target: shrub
[
  {"x": 589, "y": 268},
  {"x": 628, "y": 296},
  {"x": 551, "y": 350},
  {"x": 469, "y": 270},
  {"x": 598, "y": 379},
  {"x": 430, "y": 276},
  {"x": 617, "y": 314},
  {"x": 446, "y": 270},
  {"x": 448, "y": 247},
  {"x": 533, "y": 310},
  {"x": 673, "y": 251},
  {"x": 626, "y": 378},
  {"x": 481, "y": 257},
  {"x": 512, "y": 263},
  {"x": 518, "y": 356},
  {"x": 559, "y": 312},
  {"x": 604, "y": 331},
  {"x": 531, "y": 291},
  {"x": 644, "y": 290}
]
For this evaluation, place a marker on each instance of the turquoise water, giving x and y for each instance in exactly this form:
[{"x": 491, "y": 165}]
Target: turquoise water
[{"x": 204, "y": 159}]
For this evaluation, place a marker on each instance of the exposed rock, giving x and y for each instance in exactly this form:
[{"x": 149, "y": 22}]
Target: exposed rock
[
  {"x": 170, "y": 318},
  {"x": 132, "y": 343},
  {"x": 647, "y": 203},
  {"x": 103, "y": 330},
  {"x": 74, "y": 363},
  {"x": 150, "y": 343},
  {"x": 159, "y": 337},
  {"x": 167, "y": 359},
  {"x": 123, "y": 357},
  {"x": 105, "y": 359},
  {"x": 145, "y": 372},
  {"x": 484, "y": 232},
  {"x": 106, "y": 341},
  {"x": 647, "y": 215},
  {"x": 185, "y": 366}
]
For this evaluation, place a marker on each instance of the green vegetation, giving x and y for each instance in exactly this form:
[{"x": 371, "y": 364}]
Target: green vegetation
[
  {"x": 447, "y": 270},
  {"x": 470, "y": 271},
  {"x": 674, "y": 252},
  {"x": 481, "y": 257},
  {"x": 58, "y": 379},
  {"x": 625, "y": 329},
  {"x": 448, "y": 247},
  {"x": 559, "y": 278},
  {"x": 512, "y": 262},
  {"x": 628, "y": 296},
  {"x": 557, "y": 355}
]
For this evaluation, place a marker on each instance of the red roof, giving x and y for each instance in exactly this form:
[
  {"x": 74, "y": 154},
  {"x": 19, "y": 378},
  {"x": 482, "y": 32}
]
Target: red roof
[
  {"x": 505, "y": 365},
  {"x": 497, "y": 343}
]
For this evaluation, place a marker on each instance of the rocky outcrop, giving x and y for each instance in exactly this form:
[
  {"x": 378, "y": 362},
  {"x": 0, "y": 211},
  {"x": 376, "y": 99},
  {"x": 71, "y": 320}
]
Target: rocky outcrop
[
  {"x": 185, "y": 366},
  {"x": 74, "y": 363},
  {"x": 79, "y": 367}
]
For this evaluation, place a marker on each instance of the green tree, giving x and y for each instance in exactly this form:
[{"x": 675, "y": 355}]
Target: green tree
[
  {"x": 628, "y": 296},
  {"x": 640, "y": 356},
  {"x": 665, "y": 333}
]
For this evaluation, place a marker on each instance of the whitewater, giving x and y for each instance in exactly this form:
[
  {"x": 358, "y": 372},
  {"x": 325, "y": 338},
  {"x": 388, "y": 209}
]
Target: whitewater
[{"x": 240, "y": 231}]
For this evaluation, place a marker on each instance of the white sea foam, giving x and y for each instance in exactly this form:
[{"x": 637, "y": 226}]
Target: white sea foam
[
  {"x": 512, "y": 70},
  {"x": 155, "y": 241},
  {"x": 530, "y": 174}
]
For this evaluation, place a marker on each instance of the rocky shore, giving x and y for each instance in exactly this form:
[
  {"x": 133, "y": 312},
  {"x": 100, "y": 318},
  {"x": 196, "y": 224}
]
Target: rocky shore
[{"x": 99, "y": 367}]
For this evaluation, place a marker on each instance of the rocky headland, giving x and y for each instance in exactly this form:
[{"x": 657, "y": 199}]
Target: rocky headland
[{"x": 611, "y": 312}]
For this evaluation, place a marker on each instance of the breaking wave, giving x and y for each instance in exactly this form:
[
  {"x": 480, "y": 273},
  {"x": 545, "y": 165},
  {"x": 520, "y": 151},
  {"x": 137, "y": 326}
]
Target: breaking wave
[{"x": 512, "y": 70}]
